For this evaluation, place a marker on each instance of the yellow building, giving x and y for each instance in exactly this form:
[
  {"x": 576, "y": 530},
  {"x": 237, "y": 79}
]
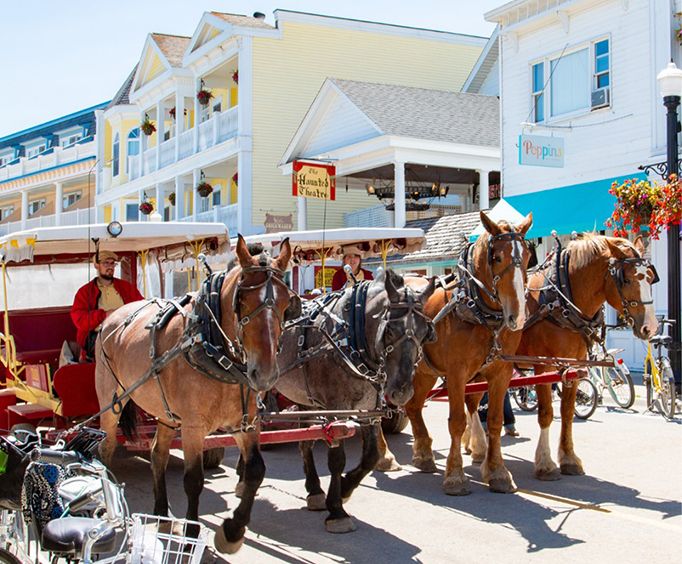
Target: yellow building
[{"x": 258, "y": 80}]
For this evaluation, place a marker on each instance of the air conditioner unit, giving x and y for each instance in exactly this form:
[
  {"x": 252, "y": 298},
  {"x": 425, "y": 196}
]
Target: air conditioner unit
[{"x": 601, "y": 98}]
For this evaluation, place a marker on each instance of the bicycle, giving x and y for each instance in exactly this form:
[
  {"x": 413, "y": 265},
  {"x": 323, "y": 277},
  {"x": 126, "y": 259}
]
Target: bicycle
[
  {"x": 658, "y": 375},
  {"x": 616, "y": 379}
]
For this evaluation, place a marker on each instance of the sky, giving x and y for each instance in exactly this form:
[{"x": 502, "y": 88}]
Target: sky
[{"x": 62, "y": 56}]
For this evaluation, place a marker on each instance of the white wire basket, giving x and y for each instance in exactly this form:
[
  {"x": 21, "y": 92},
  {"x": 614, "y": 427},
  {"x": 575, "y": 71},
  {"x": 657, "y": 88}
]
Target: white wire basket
[{"x": 164, "y": 540}]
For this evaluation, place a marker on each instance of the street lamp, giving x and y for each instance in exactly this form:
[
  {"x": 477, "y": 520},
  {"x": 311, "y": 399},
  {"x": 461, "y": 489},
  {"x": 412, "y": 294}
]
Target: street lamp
[{"x": 670, "y": 84}]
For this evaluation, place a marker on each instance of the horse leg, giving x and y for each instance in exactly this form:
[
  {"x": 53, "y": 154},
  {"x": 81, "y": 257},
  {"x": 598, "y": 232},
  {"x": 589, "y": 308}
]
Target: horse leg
[
  {"x": 455, "y": 481},
  {"x": 108, "y": 422},
  {"x": 159, "y": 456},
  {"x": 338, "y": 521},
  {"x": 193, "y": 481},
  {"x": 493, "y": 470},
  {"x": 370, "y": 455},
  {"x": 239, "y": 488},
  {"x": 422, "y": 455},
  {"x": 316, "y": 500},
  {"x": 387, "y": 461},
  {"x": 569, "y": 462},
  {"x": 545, "y": 467},
  {"x": 477, "y": 443},
  {"x": 230, "y": 535}
]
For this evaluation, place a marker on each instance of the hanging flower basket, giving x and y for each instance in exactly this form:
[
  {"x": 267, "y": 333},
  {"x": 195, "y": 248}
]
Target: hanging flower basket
[
  {"x": 235, "y": 76},
  {"x": 146, "y": 208},
  {"x": 171, "y": 112},
  {"x": 147, "y": 126},
  {"x": 171, "y": 198},
  {"x": 204, "y": 96},
  {"x": 204, "y": 189},
  {"x": 235, "y": 178}
]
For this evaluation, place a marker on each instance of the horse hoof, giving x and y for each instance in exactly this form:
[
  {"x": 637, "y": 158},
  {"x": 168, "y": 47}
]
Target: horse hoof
[
  {"x": 425, "y": 464},
  {"x": 548, "y": 475},
  {"x": 239, "y": 489},
  {"x": 501, "y": 485},
  {"x": 456, "y": 487},
  {"x": 572, "y": 470},
  {"x": 223, "y": 545},
  {"x": 340, "y": 526},
  {"x": 316, "y": 502},
  {"x": 388, "y": 465}
]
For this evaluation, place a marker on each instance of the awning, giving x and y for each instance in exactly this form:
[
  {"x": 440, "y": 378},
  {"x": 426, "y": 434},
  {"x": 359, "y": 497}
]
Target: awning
[
  {"x": 501, "y": 210},
  {"x": 579, "y": 207}
]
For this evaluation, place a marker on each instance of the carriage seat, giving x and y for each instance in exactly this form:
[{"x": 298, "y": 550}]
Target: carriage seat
[
  {"x": 69, "y": 534},
  {"x": 75, "y": 386},
  {"x": 46, "y": 356}
]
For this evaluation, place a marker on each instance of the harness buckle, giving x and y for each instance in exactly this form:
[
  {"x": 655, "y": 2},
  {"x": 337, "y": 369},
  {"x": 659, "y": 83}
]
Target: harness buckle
[
  {"x": 471, "y": 304},
  {"x": 245, "y": 320},
  {"x": 301, "y": 341}
]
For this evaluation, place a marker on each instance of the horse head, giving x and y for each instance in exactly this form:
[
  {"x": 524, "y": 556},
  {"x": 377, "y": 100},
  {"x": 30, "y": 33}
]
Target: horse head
[
  {"x": 396, "y": 320},
  {"x": 261, "y": 302},
  {"x": 629, "y": 289},
  {"x": 501, "y": 258}
]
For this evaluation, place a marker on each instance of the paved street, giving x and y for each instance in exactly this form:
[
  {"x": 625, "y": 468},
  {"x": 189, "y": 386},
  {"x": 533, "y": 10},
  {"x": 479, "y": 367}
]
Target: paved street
[{"x": 627, "y": 508}]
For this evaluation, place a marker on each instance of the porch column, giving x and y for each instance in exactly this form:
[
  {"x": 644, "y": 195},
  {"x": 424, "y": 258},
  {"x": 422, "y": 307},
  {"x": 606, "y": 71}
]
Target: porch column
[
  {"x": 160, "y": 125},
  {"x": 196, "y": 175},
  {"x": 143, "y": 147},
  {"x": 140, "y": 198},
  {"x": 160, "y": 204},
  {"x": 399, "y": 214},
  {"x": 483, "y": 190},
  {"x": 179, "y": 198},
  {"x": 244, "y": 192},
  {"x": 302, "y": 213},
  {"x": 179, "y": 121},
  {"x": 197, "y": 116},
  {"x": 58, "y": 202},
  {"x": 24, "y": 209}
]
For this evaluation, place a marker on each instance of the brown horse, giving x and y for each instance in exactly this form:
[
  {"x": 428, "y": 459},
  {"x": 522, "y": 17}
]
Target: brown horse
[
  {"x": 599, "y": 270},
  {"x": 247, "y": 310},
  {"x": 489, "y": 309}
]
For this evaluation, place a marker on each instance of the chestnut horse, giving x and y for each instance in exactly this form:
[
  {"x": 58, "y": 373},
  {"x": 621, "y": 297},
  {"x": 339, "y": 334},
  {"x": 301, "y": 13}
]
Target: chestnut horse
[
  {"x": 489, "y": 310},
  {"x": 245, "y": 312},
  {"x": 599, "y": 270}
]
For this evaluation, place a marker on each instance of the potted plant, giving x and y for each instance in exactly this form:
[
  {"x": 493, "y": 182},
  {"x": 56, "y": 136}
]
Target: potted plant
[
  {"x": 171, "y": 198},
  {"x": 147, "y": 126},
  {"x": 171, "y": 112},
  {"x": 204, "y": 96},
  {"x": 235, "y": 76},
  {"x": 146, "y": 207},
  {"x": 235, "y": 178},
  {"x": 204, "y": 189}
]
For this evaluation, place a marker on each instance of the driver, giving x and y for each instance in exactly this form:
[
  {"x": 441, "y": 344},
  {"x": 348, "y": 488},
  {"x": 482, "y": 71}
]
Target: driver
[
  {"x": 352, "y": 255},
  {"x": 97, "y": 299}
]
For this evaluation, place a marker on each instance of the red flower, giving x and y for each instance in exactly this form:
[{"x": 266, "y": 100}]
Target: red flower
[
  {"x": 204, "y": 189},
  {"x": 204, "y": 96},
  {"x": 235, "y": 76},
  {"x": 235, "y": 178},
  {"x": 146, "y": 208}
]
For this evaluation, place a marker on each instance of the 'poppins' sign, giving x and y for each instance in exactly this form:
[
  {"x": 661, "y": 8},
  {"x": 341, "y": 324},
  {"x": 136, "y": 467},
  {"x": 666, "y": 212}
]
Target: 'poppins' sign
[
  {"x": 537, "y": 150},
  {"x": 313, "y": 180}
]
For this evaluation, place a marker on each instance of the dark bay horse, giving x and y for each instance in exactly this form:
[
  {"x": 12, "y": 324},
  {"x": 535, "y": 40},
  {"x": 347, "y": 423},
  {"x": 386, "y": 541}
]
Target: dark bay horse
[
  {"x": 477, "y": 321},
  {"x": 589, "y": 272},
  {"x": 243, "y": 317},
  {"x": 378, "y": 325}
]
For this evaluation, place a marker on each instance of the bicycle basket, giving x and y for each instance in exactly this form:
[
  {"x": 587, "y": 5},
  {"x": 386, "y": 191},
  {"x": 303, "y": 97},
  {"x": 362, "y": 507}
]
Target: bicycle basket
[
  {"x": 164, "y": 540},
  {"x": 86, "y": 442}
]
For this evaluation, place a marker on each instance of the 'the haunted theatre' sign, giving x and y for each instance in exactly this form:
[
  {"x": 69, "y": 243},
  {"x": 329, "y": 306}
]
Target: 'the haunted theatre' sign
[{"x": 314, "y": 180}]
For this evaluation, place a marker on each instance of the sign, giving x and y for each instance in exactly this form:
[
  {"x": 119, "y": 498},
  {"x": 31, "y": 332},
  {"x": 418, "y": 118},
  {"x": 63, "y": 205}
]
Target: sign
[
  {"x": 313, "y": 180},
  {"x": 537, "y": 150},
  {"x": 276, "y": 223},
  {"x": 328, "y": 276}
]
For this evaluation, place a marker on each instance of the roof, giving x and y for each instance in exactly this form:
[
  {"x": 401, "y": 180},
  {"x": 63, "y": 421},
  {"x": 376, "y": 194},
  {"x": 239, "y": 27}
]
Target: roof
[
  {"x": 172, "y": 46},
  {"x": 121, "y": 97},
  {"x": 439, "y": 115},
  {"x": 242, "y": 21},
  {"x": 484, "y": 65}
]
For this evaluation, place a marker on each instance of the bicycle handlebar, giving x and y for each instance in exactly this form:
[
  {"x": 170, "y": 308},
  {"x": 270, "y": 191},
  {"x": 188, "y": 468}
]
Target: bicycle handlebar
[{"x": 60, "y": 457}]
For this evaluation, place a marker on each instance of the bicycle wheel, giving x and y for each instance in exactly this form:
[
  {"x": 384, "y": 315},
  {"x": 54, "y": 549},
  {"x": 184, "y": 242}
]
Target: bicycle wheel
[
  {"x": 585, "y": 399},
  {"x": 666, "y": 396},
  {"x": 526, "y": 398},
  {"x": 621, "y": 386},
  {"x": 649, "y": 384},
  {"x": 8, "y": 558}
]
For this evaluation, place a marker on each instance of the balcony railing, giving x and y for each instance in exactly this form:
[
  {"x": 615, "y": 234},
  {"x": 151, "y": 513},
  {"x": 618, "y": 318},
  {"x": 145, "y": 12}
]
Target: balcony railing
[
  {"x": 219, "y": 214},
  {"x": 53, "y": 157},
  {"x": 221, "y": 127},
  {"x": 376, "y": 216},
  {"x": 74, "y": 217}
]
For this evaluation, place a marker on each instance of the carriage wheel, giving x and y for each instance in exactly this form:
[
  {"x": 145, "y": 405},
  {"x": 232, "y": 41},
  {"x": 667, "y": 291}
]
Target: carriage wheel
[
  {"x": 394, "y": 424},
  {"x": 213, "y": 458}
]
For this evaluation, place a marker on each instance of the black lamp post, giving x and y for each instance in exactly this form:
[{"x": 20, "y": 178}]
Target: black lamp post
[{"x": 670, "y": 83}]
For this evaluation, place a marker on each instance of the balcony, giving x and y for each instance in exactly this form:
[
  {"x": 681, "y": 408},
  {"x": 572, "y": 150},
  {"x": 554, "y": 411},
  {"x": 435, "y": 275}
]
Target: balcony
[
  {"x": 376, "y": 216},
  {"x": 53, "y": 157},
  {"x": 221, "y": 127},
  {"x": 219, "y": 214},
  {"x": 75, "y": 217}
]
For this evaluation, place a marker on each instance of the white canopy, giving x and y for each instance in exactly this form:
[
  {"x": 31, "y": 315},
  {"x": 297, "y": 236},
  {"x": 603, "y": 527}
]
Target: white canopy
[{"x": 501, "y": 210}]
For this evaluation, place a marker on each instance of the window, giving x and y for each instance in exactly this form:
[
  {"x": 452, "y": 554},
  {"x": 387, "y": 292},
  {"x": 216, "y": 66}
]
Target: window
[
  {"x": 133, "y": 144},
  {"x": 6, "y": 212},
  {"x": 35, "y": 205},
  {"x": 4, "y": 159},
  {"x": 216, "y": 196},
  {"x": 569, "y": 85},
  {"x": 70, "y": 199},
  {"x": 132, "y": 211},
  {"x": 601, "y": 64},
  {"x": 69, "y": 140},
  {"x": 116, "y": 153},
  {"x": 538, "y": 92},
  {"x": 35, "y": 150}
]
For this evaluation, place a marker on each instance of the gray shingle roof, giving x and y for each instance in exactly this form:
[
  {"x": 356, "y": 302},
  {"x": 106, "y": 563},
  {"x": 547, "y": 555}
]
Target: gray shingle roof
[
  {"x": 456, "y": 117},
  {"x": 122, "y": 96}
]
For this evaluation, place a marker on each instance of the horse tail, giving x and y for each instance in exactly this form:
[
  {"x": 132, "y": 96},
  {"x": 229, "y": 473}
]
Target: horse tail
[{"x": 128, "y": 421}]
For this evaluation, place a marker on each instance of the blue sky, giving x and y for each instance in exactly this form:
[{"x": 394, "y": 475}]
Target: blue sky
[{"x": 61, "y": 56}]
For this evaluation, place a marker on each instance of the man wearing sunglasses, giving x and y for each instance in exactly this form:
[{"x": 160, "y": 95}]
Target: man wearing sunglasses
[{"x": 95, "y": 301}]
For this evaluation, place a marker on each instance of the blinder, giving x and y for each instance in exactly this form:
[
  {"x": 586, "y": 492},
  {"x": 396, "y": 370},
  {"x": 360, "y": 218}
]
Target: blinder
[
  {"x": 506, "y": 237},
  {"x": 533, "y": 260},
  {"x": 294, "y": 310}
]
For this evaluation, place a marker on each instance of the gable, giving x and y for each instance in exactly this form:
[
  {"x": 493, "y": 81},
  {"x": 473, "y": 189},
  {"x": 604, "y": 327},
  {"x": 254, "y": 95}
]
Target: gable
[
  {"x": 151, "y": 66},
  {"x": 207, "y": 33}
]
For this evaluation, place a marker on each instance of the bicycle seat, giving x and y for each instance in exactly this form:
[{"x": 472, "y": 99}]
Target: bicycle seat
[
  {"x": 68, "y": 536},
  {"x": 658, "y": 340}
]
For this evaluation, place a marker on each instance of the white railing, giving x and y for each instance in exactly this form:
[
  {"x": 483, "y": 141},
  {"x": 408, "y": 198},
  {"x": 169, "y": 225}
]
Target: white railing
[
  {"x": 149, "y": 160},
  {"x": 218, "y": 214},
  {"x": 376, "y": 216},
  {"x": 186, "y": 143},
  {"x": 53, "y": 157},
  {"x": 227, "y": 124},
  {"x": 167, "y": 152},
  {"x": 206, "y": 134},
  {"x": 74, "y": 217},
  {"x": 133, "y": 167}
]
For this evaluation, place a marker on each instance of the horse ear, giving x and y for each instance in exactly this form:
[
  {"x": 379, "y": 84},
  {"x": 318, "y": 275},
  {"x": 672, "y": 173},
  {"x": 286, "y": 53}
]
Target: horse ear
[
  {"x": 284, "y": 255},
  {"x": 615, "y": 249},
  {"x": 393, "y": 282},
  {"x": 427, "y": 292},
  {"x": 639, "y": 245},
  {"x": 243, "y": 253},
  {"x": 526, "y": 224},
  {"x": 489, "y": 225}
]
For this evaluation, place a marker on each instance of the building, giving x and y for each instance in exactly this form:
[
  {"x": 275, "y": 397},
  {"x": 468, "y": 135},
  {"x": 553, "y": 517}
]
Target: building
[
  {"x": 580, "y": 109},
  {"x": 257, "y": 81},
  {"x": 46, "y": 173}
]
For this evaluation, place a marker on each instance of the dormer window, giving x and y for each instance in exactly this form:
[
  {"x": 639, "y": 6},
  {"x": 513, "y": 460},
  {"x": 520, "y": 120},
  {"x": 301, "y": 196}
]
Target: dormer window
[
  {"x": 35, "y": 150},
  {"x": 70, "y": 140},
  {"x": 6, "y": 158}
]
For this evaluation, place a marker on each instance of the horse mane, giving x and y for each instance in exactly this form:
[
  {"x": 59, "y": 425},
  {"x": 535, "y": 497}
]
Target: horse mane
[{"x": 589, "y": 247}]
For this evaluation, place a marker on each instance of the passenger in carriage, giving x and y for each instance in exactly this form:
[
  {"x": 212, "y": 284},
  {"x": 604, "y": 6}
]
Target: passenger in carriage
[
  {"x": 352, "y": 255},
  {"x": 95, "y": 301}
]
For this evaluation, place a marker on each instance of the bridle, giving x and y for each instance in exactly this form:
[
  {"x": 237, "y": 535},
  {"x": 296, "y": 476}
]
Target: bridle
[{"x": 617, "y": 272}]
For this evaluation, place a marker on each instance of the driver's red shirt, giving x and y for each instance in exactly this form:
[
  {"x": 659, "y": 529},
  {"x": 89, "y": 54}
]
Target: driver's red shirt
[{"x": 85, "y": 312}]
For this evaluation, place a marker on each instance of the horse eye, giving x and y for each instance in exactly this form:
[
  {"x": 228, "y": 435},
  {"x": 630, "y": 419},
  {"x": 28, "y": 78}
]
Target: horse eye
[
  {"x": 498, "y": 259},
  {"x": 626, "y": 281}
]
